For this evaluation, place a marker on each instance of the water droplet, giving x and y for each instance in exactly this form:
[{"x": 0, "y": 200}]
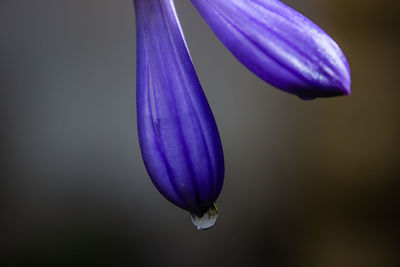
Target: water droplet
[{"x": 208, "y": 220}]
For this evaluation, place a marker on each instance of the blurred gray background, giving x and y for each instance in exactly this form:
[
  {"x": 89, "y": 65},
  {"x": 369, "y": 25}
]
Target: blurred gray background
[{"x": 307, "y": 183}]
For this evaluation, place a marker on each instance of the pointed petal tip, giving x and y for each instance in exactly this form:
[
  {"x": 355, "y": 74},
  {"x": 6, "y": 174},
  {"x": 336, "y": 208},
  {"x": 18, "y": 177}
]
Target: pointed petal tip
[
  {"x": 344, "y": 89},
  {"x": 338, "y": 84},
  {"x": 347, "y": 90},
  {"x": 345, "y": 85}
]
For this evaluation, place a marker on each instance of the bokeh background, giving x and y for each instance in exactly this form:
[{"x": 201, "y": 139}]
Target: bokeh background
[{"x": 307, "y": 183}]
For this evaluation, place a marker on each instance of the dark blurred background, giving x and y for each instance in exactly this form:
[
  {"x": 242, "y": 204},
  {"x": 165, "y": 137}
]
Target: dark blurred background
[{"x": 307, "y": 183}]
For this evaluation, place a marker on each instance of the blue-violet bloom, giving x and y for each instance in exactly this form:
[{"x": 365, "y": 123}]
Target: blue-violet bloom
[{"x": 178, "y": 136}]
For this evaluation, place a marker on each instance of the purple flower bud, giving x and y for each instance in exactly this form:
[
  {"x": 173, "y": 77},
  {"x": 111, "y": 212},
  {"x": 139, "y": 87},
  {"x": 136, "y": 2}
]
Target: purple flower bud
[
  {"x": 178, "y": 136},
  {"x": 278, "y": 44}
]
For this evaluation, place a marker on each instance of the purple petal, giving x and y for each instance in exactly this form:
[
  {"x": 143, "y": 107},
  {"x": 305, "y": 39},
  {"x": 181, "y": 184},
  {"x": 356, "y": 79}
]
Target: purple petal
[
  {"x": 178, "y": 136},
  {"x": 280, "y": 45}
]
